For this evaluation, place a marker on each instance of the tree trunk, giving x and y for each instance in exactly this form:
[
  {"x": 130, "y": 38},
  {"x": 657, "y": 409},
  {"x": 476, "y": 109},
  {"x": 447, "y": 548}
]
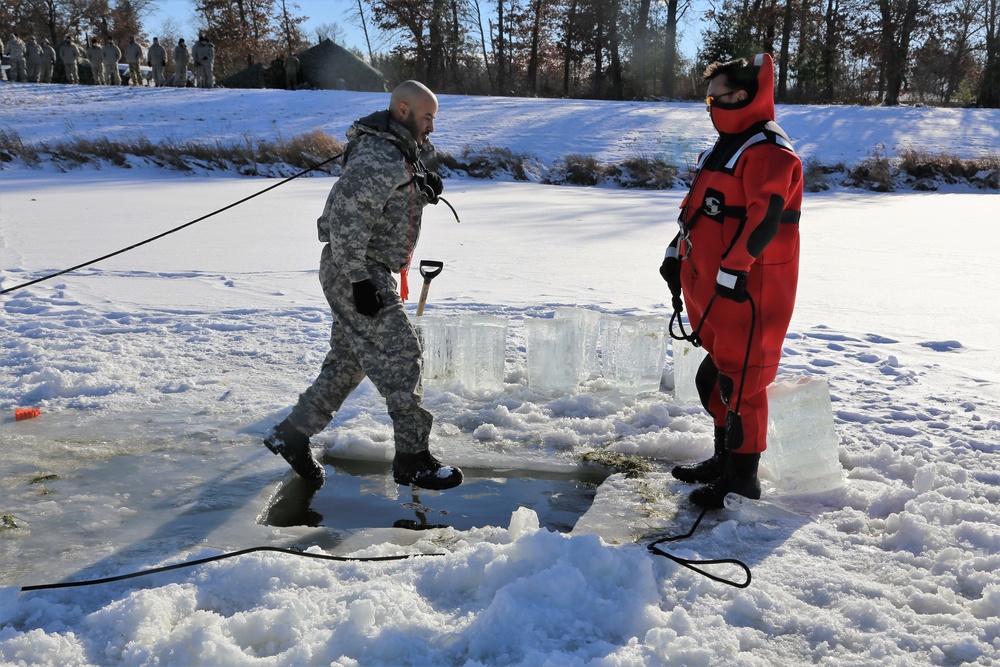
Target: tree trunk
[
  {"x": 364, "y": 27},
  {"x": 597, "y": 85},
  {"x": 786, "y": 38},
  {"x": 989, "y": 86},
  {"x": 533, "y": 54},
  {"x": 568, "y": 38},
  {"x": 498, "y": 45},
  {"x": 896, "y": 47},
  {"x": 436, "y": 35},
  {"x": 617, "y": 83},
  {"x": 482, "y": 43},
  {"x": 670, "y": 49},
  {"x": 640, "y": 47},
  {"x": 831, "y": 39}
]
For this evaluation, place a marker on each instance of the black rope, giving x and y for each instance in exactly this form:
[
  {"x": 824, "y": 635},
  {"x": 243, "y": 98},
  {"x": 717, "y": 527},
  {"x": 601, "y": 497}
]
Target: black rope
[
  {"x": 169, "y": 231},
  {"x": 693, "y": 564},
  {"x": 202, "y": 561}
]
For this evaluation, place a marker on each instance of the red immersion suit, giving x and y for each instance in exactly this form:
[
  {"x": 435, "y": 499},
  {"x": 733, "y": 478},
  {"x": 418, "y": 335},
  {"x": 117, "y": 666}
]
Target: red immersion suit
[{"x": 742, "y": 215}]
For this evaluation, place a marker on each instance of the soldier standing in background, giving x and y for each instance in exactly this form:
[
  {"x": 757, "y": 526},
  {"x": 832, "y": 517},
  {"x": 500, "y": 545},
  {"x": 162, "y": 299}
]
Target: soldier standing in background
[
  {"x": 291, "y": 72},
  {"x": 96, "y": 57},
  {"x": 157, "y": 56},
  {"x": 68, "y": 54},
  {"x": 48, "y": 61},
  {"x": 33, "y": 59},
  {"x": 181, "y": 58},
  {"x": 203, "y": 57},
  {"x": 112, "y": 54},
  {"x": 133, "y": 56},
  {"x": 15, "y": 49}
]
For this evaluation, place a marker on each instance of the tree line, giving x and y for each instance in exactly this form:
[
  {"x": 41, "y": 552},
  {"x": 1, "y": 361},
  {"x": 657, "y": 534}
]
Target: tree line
[{"x": 941, "y": 52}]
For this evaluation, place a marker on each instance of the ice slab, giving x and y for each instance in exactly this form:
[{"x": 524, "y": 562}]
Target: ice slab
[{"x": 802, "y": 446}]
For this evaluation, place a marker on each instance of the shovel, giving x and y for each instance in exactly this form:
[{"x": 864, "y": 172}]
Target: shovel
[{"x": 429, "y": 268}]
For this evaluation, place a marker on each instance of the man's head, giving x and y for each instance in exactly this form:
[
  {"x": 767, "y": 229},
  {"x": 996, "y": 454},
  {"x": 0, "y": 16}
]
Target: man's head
[
  {"x": 730, "y": 84},
  {"x": 414, "y": 106}
]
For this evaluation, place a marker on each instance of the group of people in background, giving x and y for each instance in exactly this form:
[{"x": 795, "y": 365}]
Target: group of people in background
[{"x": 33, "y": 62}]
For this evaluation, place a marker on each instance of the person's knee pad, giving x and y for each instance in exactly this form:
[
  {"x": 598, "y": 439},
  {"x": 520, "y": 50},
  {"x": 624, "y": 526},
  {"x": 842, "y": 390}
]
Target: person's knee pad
[{"x": 705, "y": 381}]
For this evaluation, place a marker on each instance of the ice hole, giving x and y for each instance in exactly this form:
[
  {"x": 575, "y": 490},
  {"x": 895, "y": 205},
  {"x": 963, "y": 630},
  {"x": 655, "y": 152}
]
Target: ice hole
[{"x": 361, "y": 494}]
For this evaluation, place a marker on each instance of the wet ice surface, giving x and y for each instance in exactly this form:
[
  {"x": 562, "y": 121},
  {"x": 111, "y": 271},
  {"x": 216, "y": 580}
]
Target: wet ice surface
[
  {"x": 103, "y": 492},
  {"x": 361, "y": 494}
]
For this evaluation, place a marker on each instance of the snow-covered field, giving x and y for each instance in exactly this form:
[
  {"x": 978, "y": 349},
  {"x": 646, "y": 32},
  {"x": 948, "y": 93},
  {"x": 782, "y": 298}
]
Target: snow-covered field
[{"x": 157, "y": 371}]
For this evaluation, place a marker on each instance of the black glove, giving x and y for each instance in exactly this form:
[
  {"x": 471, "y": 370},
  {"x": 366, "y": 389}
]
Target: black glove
[
  {"x": 432, "y": 186},
  {"x": 367, "y": 300},
  {"x": 671, "y": 272},
  {"x": 732, "y": 285}
]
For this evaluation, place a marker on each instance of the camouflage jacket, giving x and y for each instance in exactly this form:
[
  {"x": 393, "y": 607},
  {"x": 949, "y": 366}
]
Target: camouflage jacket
[{"x": 374, "y": 210}]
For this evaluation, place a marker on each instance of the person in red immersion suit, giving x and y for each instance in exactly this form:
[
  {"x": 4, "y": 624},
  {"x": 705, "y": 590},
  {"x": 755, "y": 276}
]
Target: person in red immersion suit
[{"x": 736, "y": 262}]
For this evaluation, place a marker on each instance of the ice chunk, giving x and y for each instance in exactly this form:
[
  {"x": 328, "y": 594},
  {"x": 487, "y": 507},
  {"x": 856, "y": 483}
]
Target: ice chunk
[
  {"x": 523, "y": 521},
  {"x": 687, "y": 358},
  {"x": 554, "y": 354},
  {"x": 635, "y": 352},
  {"x": 467, "y": 351},
  {"x": 482, "y": 343},
  {"x": 587, "y": 325},
  {"x": 439, "y": 338},
  {"x": 802, "y": 445}
]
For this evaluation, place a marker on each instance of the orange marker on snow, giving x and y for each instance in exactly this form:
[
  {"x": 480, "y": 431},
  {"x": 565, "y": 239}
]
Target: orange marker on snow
[{"x": 26, "y": 413}]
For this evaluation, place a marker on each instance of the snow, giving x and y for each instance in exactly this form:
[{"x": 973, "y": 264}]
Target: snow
[{"x": 157, "y": 372}]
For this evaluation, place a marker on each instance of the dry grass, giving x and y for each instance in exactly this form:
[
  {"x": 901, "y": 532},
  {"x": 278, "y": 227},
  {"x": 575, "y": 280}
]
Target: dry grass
[
  {"x": 246, "y": 156},
  {"x": 13, "y": 148},
  {"x": 647, "y": 173},
  {"x": 911, "y": 167},
  {"x": 576, "y": 170},
  {"x": 490, "y": 162},
  {"x": 874, "y": 172},
  {"x": 816, "y": 175},
  {"x": 925, "y": 169}
]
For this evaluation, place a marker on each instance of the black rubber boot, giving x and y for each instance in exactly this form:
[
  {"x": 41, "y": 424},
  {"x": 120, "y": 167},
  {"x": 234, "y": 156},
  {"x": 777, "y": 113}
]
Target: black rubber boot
[
  {"x": 293, "y": 445},
  {"x": 708, "y": 470},
  {"x": 423, "y": 470},
  {"x": 739, "y": 476}
]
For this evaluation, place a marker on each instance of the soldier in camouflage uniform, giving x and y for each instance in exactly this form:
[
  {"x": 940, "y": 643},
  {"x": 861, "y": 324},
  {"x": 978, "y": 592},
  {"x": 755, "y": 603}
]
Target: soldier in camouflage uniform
[{"x": 370, "y": 225}]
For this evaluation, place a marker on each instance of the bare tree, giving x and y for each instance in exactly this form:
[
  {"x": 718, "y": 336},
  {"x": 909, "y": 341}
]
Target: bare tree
[
  {"x": 670, "y": 46},
  {"x": 989, "y": 87},
  {"x": 289, "y": 26},
  {"x": 482, "y": 42},
  {"x": 786, "y": 37},
  {"x": 898, "y": 22},
  {"x": 331, "y": 31}
]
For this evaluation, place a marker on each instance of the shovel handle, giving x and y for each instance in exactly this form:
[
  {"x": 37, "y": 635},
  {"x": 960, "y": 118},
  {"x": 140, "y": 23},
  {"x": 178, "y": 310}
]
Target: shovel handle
[
  {"x": 429, "y": 268},
  {"x": 423, "y": 298}
]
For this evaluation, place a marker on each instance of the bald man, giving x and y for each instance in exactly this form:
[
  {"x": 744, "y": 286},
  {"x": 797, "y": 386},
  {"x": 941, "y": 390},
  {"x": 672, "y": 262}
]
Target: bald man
[{"x": 369, "y": 227}]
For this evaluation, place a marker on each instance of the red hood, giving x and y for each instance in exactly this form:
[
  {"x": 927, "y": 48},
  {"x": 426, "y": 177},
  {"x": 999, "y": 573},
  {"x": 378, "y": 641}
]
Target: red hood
[{"x": 735, "y": 118}]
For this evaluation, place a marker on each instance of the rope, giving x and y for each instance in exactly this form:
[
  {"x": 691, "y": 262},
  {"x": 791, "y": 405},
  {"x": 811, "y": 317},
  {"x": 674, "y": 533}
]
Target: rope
[
  {"x": 169, "y": 231},
  {"x": 693, "y": 564},
  {"x": 201, "y": 561}
]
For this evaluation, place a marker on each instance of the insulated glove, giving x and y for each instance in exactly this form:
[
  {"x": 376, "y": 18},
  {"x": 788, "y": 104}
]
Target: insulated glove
[
  {"x": 732, "y": 285},
  {"x": 367, "y": 300},
  {"x": 671, "y": 272},
  {"x": 432, "y": 186}
]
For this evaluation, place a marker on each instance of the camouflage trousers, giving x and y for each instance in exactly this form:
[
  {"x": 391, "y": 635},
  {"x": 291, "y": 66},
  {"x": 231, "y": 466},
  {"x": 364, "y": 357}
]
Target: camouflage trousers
[{"x": 384, "y": 348}]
